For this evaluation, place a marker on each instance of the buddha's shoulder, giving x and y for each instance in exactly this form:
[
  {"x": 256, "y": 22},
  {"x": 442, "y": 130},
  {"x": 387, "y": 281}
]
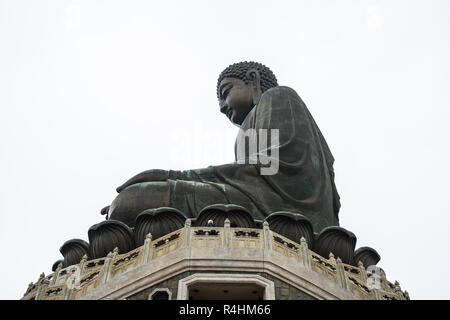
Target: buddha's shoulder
[
  {"x": 281, "y": 95},
  {"x": 281, "y": 91}
]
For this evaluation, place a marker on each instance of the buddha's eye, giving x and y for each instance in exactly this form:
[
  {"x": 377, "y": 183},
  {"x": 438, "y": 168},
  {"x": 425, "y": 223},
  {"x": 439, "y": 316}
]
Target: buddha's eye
[{"x": 226, "y": 91}]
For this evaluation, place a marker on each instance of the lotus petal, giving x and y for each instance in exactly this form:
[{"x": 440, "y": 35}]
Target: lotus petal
[{"x": 107, "y": 235}]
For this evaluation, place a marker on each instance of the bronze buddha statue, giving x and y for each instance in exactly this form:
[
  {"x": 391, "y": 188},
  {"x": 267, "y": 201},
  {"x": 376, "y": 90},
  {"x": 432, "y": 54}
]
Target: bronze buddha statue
[{"x": 250, "y": 97}]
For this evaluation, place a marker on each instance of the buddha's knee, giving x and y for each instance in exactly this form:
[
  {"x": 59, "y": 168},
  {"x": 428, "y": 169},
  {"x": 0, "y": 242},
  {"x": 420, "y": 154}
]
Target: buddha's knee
[{"x": 137, "y": 198}]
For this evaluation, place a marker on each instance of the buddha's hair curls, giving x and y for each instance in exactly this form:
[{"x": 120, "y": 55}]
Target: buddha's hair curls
[{"x": 239, "y": 70}]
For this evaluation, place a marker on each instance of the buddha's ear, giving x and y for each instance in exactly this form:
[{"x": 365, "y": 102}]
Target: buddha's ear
[{"x": 254, "y": 77}]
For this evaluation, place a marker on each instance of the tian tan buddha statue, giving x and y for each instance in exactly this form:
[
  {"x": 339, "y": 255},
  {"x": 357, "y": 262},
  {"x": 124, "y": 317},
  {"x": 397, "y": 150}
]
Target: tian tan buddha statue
[{"x": 300, "y": 181}]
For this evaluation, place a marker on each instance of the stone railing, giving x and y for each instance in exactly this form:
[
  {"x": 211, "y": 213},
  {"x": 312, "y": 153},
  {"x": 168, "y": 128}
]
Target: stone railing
[{"x": 75, "y": 281}]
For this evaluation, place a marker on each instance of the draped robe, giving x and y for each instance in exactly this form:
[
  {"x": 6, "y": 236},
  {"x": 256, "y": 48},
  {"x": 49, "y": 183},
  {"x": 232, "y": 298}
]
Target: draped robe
[{"x": 304, "y": 182}]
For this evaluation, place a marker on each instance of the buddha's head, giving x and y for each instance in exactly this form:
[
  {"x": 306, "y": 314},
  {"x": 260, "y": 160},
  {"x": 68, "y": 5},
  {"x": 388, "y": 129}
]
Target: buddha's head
[{"x": 240, "y": 87}]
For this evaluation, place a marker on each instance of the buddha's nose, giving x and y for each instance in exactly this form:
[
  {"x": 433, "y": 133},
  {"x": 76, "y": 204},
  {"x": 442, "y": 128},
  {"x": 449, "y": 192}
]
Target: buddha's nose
[{"x": 224, "y": 108}]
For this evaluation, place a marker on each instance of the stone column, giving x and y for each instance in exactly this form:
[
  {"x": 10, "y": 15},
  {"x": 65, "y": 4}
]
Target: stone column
[
  {"x": 83, "y": 263},
  {"x": 341, "y": 273},
  {"x": 304, "y": 253},
  {"x": 42, "y": 285},
  {"x": 146, "y": 249},
  {"x": 56, "y": 275},
  {"x": 363, "y": 272},
  {"x": 267, "y": 236},
  {"x": 398, "y": 290},
  {"x": 30, "y": 286},
  {"x": 226, "y": 242},
  {"x": 187, "y": 233},
  {"x": 68, "y": 292},
  {"x": 107, "y": 266},
  {"x": 376, "y": 293},
  {"x": 407, "y": 295},
  {"x": 75, "y": 282}
]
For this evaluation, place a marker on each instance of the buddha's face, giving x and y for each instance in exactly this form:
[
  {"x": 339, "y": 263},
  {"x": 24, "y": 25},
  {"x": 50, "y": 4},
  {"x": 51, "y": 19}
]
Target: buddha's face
[{"x": 236, "y": 99}]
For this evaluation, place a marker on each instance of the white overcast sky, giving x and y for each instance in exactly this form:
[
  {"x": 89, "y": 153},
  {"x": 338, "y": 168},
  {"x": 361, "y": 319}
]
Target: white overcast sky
[{"x": 93, "y": 92}]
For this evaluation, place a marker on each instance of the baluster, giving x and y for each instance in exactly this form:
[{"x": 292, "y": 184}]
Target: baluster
[
  {"x": 267, "y": 236},
  {"x": 83, "y": 263},
  {"x": 362, "y": 272},
  {"x": 342, "y": 276},
  {"x": 107, "y": 266},
  {"x": 42, "y": 285},
  {"x": 304, "y": 253},
  {"x": 187, "y": 233},
  {"x": 226, "y": 243},
  {"x": 56, "y": 274},
  {"x": 146, "y": 250}
]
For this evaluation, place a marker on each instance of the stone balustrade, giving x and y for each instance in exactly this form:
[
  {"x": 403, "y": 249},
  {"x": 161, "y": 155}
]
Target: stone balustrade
[{"x": 75, "y": 281}]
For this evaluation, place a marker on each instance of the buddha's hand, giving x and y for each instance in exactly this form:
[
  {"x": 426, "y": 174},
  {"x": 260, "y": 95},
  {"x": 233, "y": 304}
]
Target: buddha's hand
[{"x": 146, "y": 176}]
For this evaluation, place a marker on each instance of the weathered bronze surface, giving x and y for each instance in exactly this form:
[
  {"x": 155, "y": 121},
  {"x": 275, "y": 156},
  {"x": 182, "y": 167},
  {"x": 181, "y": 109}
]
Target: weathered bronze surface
[
  {"x": 367, "y": 255},
  {"x": 250, "y": 97},
  {"x": 73, "y": 250},
  {"x": 336, "y": 240},
  {"x": 293, "y": 226},
  {"x": 157, "y": 222},
  {"x": 105, "y": 236}
]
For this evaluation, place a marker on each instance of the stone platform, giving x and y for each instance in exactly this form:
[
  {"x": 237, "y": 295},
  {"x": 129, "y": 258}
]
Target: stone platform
[{"x": 270, "y": 265}]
